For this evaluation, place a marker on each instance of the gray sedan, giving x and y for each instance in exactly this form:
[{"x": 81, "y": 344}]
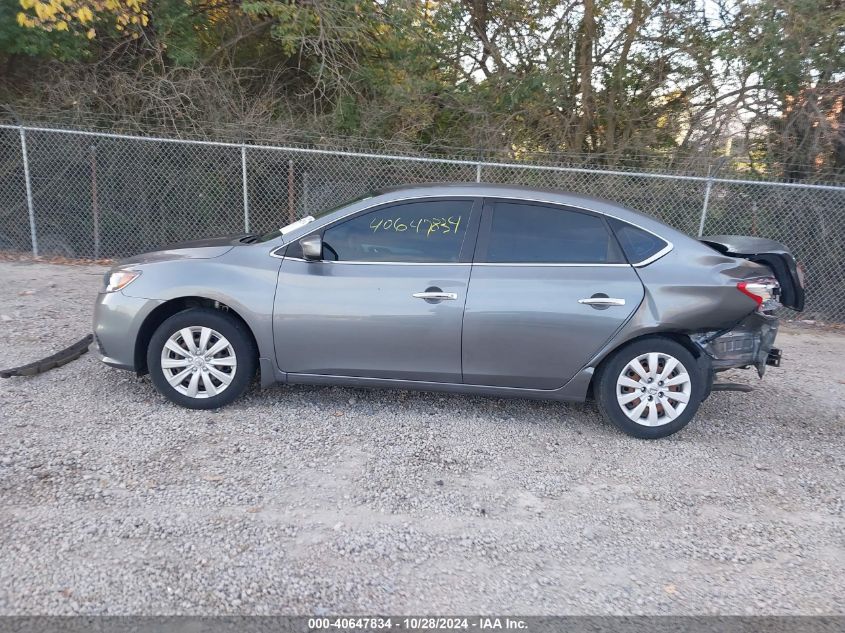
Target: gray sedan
[{"x": 478, "y": 289}]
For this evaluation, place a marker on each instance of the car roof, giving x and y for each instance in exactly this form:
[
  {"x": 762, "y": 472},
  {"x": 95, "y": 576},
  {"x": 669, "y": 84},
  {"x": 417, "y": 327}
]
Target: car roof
[
  {"x": 486, "y": 189},
  {"x": 520, "y": 192}
]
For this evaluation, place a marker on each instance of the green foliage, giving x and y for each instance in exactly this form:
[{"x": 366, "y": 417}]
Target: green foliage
[
  {"x": 615, "y": 79},
  {"x": 19, "y": 41},
  {"x": 178, "y": 28},
  {"x": 791, "y": 44}
]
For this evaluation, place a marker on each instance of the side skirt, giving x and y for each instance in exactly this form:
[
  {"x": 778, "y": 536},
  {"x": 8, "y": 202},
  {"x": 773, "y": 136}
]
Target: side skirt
[{"x": 574, "y": 391}]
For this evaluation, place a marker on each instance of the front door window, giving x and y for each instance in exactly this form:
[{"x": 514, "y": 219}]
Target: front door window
[{"x": 416, "y": 232}]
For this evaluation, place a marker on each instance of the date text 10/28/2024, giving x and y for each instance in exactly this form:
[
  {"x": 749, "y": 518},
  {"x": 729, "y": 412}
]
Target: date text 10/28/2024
[{"x": 426, "y": 623}]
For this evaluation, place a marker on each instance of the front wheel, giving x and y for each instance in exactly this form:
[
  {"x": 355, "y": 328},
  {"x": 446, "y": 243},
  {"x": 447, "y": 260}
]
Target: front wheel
[
  {"x": 651, "y": 388},
  {"x": 201, "y": 358}
]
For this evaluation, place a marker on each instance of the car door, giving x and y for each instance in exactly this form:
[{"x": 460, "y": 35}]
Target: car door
[
  {"x": 386, "y": 300},
  {"x": 549, "y": 287}
]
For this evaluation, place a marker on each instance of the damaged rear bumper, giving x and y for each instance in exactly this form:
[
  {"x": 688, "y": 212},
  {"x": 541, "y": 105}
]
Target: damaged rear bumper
[{"x": 749, "y": 343}]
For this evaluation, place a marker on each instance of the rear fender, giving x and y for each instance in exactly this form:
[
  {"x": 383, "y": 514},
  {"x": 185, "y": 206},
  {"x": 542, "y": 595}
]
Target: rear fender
[{"x": 774, "y": 255}]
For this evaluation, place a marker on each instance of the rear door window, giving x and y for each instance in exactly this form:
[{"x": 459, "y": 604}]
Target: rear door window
[{"x": 524, "y": 232}]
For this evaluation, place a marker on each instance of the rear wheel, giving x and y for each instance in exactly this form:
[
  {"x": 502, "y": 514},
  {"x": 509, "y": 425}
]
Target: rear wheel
[
  {"x": 201, "y": 358},
  {"x": 650, "y": 388}
]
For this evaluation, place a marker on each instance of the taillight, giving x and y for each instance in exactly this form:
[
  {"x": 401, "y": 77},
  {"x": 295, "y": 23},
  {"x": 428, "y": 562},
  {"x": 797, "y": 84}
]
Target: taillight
[{"x": 764, "y": 291}]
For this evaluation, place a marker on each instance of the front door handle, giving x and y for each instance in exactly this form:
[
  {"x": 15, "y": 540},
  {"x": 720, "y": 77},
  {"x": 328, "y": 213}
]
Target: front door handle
[
  {"x": 435, "y": 295},
  {"x": 602, "y": 301}
]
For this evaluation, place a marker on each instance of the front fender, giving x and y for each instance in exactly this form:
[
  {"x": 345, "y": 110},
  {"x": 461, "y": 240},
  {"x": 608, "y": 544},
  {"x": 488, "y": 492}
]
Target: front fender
[{"x": 244, "y": 280}]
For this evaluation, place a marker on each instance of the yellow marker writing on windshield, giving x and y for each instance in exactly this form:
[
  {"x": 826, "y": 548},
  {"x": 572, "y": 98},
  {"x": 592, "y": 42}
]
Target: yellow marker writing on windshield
[{"x": 429, "y": 226}]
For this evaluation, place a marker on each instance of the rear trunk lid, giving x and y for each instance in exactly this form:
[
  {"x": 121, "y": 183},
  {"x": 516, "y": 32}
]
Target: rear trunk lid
[{"x": 769, "y": 253}]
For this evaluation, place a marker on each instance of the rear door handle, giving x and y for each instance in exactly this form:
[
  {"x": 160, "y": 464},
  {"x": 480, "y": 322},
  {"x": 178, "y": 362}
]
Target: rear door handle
[
  {"x": 602, "y": 301},
  {"x": 435, "y": 296}
]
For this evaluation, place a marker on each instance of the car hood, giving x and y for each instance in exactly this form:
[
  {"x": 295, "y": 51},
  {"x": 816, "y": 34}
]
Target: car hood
[{"x": 196, "y": 249}]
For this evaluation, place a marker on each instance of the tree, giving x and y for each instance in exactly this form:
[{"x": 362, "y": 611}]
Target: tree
[
  {"x": 603, "y": 81},
  {"x": 795, "y": 52}
]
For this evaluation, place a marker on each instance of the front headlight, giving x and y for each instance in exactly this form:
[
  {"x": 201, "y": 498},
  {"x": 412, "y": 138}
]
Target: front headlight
[{"x": 118, "y": 279}]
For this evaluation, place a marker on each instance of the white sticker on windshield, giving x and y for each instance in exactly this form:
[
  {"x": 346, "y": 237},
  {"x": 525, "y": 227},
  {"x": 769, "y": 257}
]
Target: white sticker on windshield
[{"x": 308, "y": 219}]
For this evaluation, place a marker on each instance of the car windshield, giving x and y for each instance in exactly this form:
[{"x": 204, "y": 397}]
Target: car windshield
[{"x": 308, "y": 219}]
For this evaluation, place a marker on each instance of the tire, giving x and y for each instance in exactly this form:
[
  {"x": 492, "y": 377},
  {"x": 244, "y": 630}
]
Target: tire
[
  {"x": 664, "y": 414},
  {"x": 216, "y": 379}
]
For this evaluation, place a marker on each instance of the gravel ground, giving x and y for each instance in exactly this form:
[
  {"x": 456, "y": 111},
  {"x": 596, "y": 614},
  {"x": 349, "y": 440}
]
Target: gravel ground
[{"x": 325, "y": 500}]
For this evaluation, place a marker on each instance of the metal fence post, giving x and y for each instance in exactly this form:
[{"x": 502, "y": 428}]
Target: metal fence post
[
  {"x": 304, "y": 194},
  {"x": 478, "y": 172},
  {"x": 95, "y": 203},
  {"x": 28, "y": 182},
  {"x": 245, "y": 190},
  {"x": 291, "y": 201},
  {"x": 706, "y": 202}
]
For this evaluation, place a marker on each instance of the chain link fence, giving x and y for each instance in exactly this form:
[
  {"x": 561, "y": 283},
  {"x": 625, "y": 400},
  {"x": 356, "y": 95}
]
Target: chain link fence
[{"x": 97, "y": 195}]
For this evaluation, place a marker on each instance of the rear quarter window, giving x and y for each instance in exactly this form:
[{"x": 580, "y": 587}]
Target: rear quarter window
[{"x": 637, "y": 244}]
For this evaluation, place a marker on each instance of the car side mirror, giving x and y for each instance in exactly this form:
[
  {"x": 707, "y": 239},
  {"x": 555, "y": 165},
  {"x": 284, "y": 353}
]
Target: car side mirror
[{"x": 312, "y": 248}]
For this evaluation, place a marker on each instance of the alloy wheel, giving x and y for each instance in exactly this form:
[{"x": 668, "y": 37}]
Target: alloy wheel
[
  {"x": 198, "y": 362},
  {"x": 653, "y": 389}
]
